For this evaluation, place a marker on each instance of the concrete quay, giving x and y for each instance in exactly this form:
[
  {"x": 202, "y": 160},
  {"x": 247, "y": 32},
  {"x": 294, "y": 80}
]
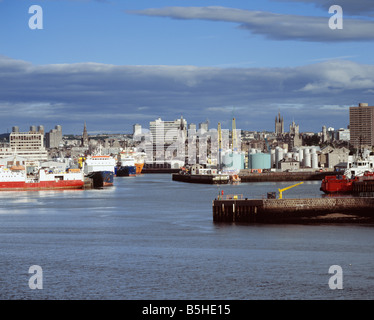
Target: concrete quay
[{"x": 311, "y": 210}]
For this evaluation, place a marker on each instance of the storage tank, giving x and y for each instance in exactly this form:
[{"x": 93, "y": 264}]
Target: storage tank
[
  {"x": 259, "y": 161},
  {"x": 233, "y": 160},
  {"x": 15, "y": 129},
  {"x": 295, "y": 156},
  {"x": 278, "y": 156},
  {"x": 314, "y": 160},
  {"x": 307, "y": 159},
  {"x": 301, "y": 155},
  {"x": 272, "y": 158}
]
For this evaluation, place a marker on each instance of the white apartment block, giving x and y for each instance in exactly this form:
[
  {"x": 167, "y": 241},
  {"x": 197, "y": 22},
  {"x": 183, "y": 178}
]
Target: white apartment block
[{"x": 28, "y": 145}]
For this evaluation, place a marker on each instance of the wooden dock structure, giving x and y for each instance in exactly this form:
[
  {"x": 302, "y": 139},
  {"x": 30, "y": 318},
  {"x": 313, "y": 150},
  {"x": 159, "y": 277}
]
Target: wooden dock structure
[{"x": 327, "y": 209}]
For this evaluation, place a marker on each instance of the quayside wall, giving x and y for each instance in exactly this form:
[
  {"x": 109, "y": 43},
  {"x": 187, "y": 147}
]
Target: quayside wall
[{"x": 294, "y": 210}]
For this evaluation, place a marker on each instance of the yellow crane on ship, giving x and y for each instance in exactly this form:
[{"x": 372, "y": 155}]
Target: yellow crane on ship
[{"x": 284, "y": 189}]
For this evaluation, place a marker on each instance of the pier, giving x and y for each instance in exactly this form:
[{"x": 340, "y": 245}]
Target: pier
[{"x": 311, "y": 210}]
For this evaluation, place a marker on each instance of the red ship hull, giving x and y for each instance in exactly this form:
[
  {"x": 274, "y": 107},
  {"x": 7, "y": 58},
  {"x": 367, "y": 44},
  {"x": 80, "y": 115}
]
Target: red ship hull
[
  {"x": 42, "y": 185},
  {"x": 335, "y": 185},
  {"x": 341, "y": 184}
]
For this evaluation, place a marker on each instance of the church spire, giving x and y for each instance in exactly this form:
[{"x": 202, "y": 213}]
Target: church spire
[{"x": 85, "y": 136}]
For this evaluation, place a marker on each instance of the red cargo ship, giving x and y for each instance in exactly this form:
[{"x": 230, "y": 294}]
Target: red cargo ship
[{"x": 16, "y": 178}]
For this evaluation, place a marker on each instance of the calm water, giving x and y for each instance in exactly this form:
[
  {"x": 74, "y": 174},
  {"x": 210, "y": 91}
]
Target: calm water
[{"x": 148, "y": 237}]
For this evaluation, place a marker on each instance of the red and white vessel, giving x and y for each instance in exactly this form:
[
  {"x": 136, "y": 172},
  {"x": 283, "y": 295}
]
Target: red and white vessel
[
  {"x": 358, "y": 169},
  {"x": 17, "y": 178}
]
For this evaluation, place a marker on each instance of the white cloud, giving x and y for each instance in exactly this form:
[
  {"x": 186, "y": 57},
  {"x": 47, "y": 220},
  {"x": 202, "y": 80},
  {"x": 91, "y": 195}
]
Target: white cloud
[{"x": 272, "y": 25}]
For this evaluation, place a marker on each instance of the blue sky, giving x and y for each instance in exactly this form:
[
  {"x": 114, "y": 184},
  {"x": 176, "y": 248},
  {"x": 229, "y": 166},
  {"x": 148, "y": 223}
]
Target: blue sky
[{"x": 114, "y": 63}]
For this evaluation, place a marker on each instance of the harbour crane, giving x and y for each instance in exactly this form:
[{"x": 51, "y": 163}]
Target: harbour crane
[
  {"x": 219, "y": 131},
  {"x": 234, "y": 136},
  {"x": 284, "y": 189}
]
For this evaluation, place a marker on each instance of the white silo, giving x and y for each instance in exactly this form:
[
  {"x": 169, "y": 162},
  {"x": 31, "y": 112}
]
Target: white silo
[
  {"x": 314, "y": 161},
  {"x": 278, "y": 156},
  {"x": 272, "y": 157},
  {"x": 295, "y": 156},
  {"x": 301, "y": 155},
  {"x": 307, "y": 159}
]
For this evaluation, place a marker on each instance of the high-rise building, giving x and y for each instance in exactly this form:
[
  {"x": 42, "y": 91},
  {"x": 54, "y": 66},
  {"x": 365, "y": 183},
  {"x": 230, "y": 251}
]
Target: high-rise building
[
  {"x": 203, "y": 127},
  {"x": 164, "y": 134},
  {"x": 192, "y": 126},
  {"x": 53, "y": 138},
  {"x": 137, "y": 129},
  {"x": 361, "y": 124},
  {"x": 279, "y": 125},
  {"x": 324, "y": 134}
]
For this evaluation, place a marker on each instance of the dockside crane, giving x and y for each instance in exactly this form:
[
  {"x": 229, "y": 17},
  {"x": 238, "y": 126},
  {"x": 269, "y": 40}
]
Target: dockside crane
[
  {"x": 234, "y": 137},
  {"x": 284, "y": 189},
  {"x": 219, "y": 132}
]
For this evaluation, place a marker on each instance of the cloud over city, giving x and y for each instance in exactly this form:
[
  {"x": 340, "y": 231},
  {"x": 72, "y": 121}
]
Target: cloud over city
[{"x": 92, "y": 92}]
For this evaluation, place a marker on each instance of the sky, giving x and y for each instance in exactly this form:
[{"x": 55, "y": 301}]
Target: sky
[{"x": 113, "y": 63}]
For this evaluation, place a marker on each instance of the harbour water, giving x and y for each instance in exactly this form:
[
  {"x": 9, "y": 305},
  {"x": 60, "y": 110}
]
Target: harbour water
[{"x": 149, "y": 237}]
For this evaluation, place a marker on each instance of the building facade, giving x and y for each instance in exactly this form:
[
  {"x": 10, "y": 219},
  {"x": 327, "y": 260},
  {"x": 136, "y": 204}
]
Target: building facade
[
  {"x": 361, "y": 125},
  {"x": 167, "y": 139},
  {"x": 53, "y": 138},
  {"x": 28, "y": 145}
]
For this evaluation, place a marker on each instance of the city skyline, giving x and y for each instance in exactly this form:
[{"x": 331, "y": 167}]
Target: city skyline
[{"x": 117, "y": 63}]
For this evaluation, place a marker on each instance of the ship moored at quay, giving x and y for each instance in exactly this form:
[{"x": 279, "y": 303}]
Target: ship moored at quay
[
  {"x": 358, "y": 177},
  {"x": 199, "y": 174},
  {"x": 100, "y": 168},
  {"x": 33, "y": 177}
]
